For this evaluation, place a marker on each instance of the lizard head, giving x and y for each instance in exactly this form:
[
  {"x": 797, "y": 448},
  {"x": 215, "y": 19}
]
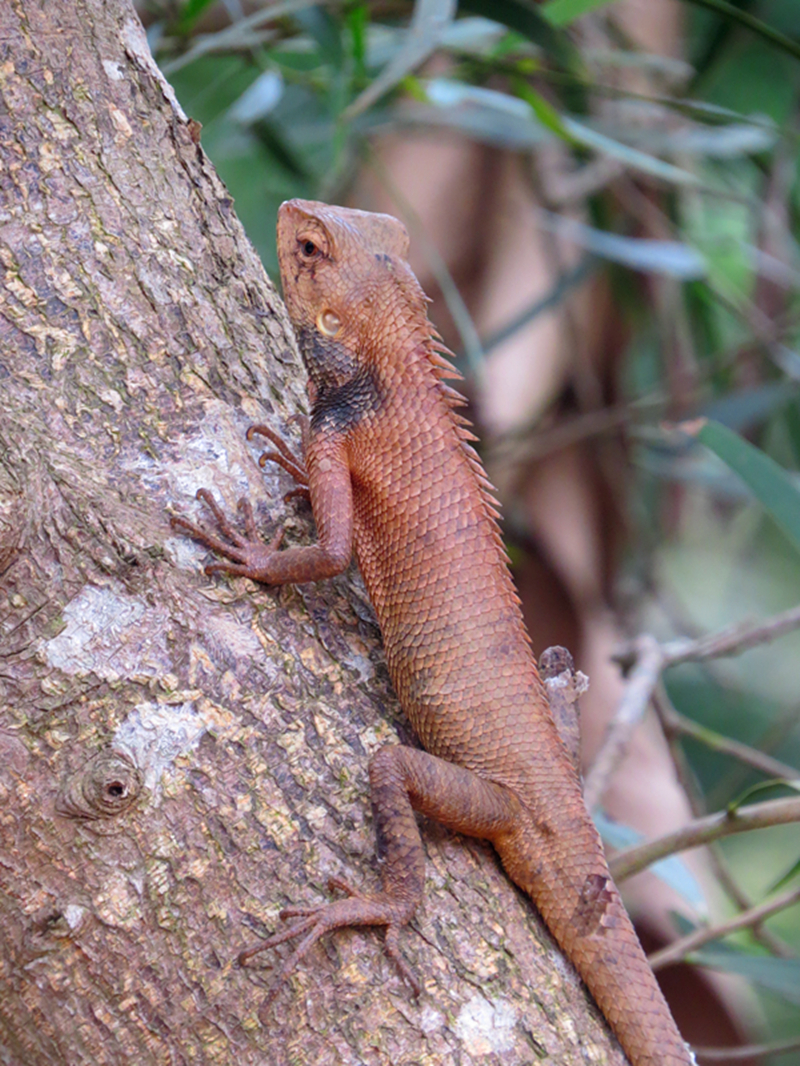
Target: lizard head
[{"x": 346, "y": 283}]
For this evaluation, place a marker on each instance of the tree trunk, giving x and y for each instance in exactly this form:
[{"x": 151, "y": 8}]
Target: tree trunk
[{"x": 180, "y": 757}]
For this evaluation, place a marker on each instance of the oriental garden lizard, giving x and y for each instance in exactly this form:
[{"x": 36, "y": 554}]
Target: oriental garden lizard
[{"x": 391, "y": 476}]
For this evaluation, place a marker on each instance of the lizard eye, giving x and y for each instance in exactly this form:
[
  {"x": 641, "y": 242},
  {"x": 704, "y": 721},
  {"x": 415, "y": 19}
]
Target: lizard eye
[{"x": 311, "y": 247}]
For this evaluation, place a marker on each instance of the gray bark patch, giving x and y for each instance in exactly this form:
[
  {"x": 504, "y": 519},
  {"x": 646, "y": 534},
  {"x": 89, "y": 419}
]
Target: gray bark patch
[{"x": 110, "y": 634}]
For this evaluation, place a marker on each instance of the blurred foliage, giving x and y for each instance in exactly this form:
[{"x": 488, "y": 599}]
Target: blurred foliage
[{"x": 703, "y": 262}]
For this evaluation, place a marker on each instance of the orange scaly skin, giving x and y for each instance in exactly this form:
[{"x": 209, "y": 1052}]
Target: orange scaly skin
[{"x": 391, "y": 476}]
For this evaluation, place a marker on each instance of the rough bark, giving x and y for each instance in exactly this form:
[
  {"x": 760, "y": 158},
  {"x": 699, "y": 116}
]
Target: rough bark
[{"x": 181, "y": 757}]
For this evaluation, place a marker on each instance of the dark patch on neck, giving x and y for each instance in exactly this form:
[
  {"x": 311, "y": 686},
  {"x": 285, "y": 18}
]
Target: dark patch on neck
[
  {"x": 346, "y": 390},
  {"x": 343, "y": 406}
]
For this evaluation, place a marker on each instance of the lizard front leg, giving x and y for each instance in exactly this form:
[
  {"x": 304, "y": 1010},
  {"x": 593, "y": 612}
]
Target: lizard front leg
[
  {"x": 330, "y": 491},
  {"x": 402, "y": 781}
]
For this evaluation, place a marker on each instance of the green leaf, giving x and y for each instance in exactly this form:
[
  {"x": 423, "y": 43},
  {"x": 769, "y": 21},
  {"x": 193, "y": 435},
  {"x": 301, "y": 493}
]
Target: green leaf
[
  {"x": 683, "y": 925},
  {"x": 258, "y": 100},
  {"x": 786, "y": 878},
  {"x": 750, "y": 407},
  {"x": 190, "y": 13},
  {"x": 524, "y": 17},
  {"x": 762, "y": 786},
  {"x": 237, "y": 35},
  {"x": 770, "y": 484},
  {"x": 631, "y": 157},
  {"x": 357, "y": 21},
  {"x": 744, "y": 18},
  {"x": 324, "y": 31},
  {"x": 670, "y": 258},
  {"x": 485, "y": 114},
  {"x": 779, "y": 975},
  {"x": 545, "y": 112},
  {"x": 562, "y": 12}
]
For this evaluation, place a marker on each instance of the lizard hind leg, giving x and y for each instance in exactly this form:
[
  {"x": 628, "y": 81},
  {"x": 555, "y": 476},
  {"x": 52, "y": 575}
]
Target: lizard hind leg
[
  {"x": 402, "y": 780},
  {"x": 358, "y": 909}
]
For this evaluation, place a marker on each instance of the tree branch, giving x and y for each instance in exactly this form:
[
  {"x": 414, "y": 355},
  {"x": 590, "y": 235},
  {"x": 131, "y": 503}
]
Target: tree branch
[
  {"x": 746, "y": 1051},
  {"x": 649, "y": 660},
  {"x": 729, "y": 641},
  {"x": 679, "y": 949},
  {"x": 631, "y": 861}
]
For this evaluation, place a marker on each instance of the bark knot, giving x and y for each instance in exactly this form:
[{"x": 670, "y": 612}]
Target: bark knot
[{"x": 105, "y": 787}]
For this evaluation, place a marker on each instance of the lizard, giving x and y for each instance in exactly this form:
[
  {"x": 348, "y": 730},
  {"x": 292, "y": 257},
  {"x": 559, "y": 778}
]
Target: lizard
[{"x": 392, "y": 477}]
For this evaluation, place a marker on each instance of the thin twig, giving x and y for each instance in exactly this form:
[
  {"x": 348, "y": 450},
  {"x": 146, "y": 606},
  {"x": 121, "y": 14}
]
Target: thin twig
[
  {"x": 719, "y": 866},
  {"x": 236, "y": 34},
  {"x": 566, "y": 281},
  {"x": 679, "y": 949},
  {"x": 734, "y": 780},
  {"x": 630, "y": 861},
  {"x": 732, "y": 640},
  {"x": 634, "y": 703},
  {"x": 524, "y": 447},
  {"x": 675, "y": 722},
  {"x": 746, "y": 1051}
]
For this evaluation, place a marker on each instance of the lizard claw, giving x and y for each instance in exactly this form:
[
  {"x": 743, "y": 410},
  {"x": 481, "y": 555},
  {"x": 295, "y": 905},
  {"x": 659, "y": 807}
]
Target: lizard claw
[
  {"x": 314, "y": 922},
  {"x": 249, "y": 556},
  {"x": 284, "y": 457}
]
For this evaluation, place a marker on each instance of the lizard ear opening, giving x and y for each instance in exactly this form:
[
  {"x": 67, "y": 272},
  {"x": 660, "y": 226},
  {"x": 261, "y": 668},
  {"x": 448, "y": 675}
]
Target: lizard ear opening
[{"x": 328, "y": 322}]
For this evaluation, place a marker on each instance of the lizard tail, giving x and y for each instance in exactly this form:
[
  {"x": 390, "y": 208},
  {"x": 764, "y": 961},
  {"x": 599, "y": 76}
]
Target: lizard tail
[{"x": 573, "y": 890}]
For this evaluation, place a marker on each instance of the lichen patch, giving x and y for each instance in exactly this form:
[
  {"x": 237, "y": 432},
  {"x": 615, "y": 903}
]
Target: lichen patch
[
  {"x": 486, "y": 1026},
  {"x": 110, "y": 634},
  {"x": 154, "y": 735}
]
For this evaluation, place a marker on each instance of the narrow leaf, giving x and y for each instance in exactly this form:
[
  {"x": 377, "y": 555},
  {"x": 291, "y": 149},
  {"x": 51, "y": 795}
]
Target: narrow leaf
[
  {"x": 428, "y": 22},
  {"x": 763, "y": 29},
  {"x": 716, "y": 142},
  {"x": 484, "y": 114},
  {"x": 779, "y": 975},
  {"x": 762, "y": 786},
  {"x": 525, "y": 18},
  {"x": 190, "y": 13},
  {"x": 669, "y": 258},
  {"x": 631, "y": 157},
  {"x": 785, "y": 879},
  {"x": 749, "y": 407},
  {"x": 259, "y": 99},
  {"x": 770, "y": 484},
  {"x": 545, "y": 112},
  {"x": 673, "y": 871}
]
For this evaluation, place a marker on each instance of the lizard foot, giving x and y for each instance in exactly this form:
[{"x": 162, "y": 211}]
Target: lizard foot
[
  {"x": 285, "y": 458},
  {"x": 249, "y": 555},
  {"x": 315, "y": 922}
]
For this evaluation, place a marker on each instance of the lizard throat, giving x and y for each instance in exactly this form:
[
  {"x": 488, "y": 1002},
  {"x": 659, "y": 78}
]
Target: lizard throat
[{"x": 345, "y": 389}]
